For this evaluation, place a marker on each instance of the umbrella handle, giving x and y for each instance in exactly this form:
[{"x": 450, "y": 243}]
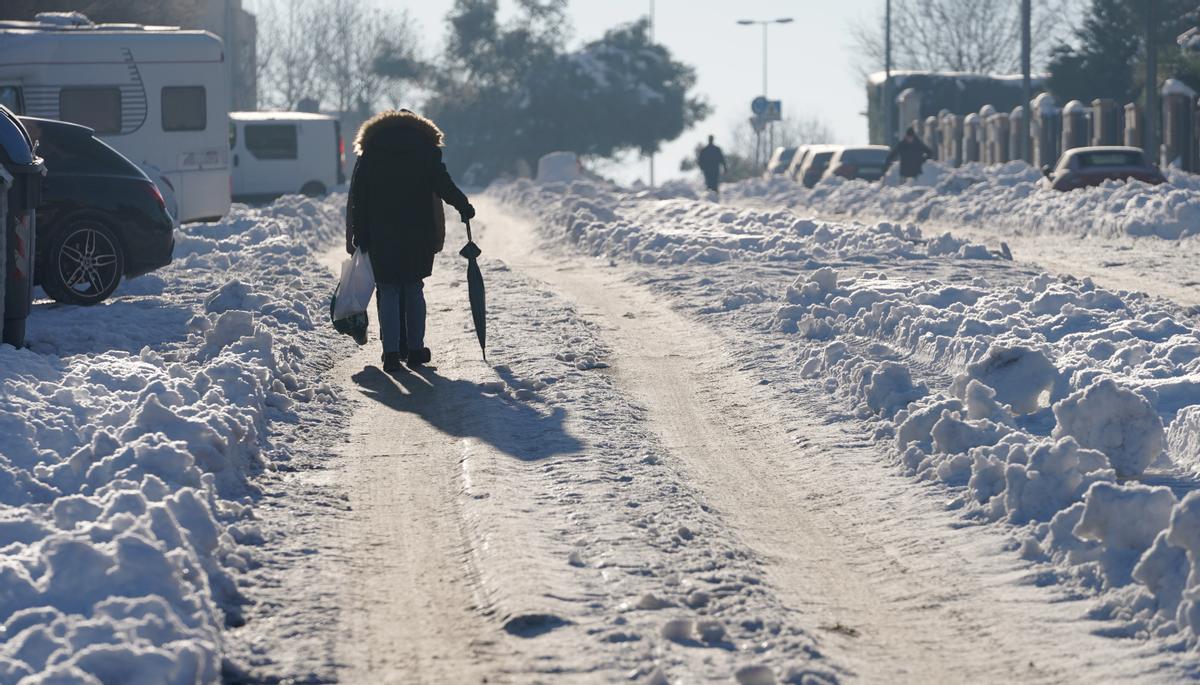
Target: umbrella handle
[{"x": 469, "y": 238}]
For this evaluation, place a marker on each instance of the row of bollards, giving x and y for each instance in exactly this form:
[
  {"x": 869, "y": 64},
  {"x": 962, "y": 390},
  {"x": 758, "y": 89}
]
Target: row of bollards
[{"x": 993, "y": 137}]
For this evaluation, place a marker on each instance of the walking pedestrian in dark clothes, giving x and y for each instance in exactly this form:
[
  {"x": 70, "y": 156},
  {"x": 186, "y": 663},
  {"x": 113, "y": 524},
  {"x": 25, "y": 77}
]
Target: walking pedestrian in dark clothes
[
  {"x": 912, "y": 154},
  {"x": 711, "y": 162},
  {"x": 394, "y": 213}
]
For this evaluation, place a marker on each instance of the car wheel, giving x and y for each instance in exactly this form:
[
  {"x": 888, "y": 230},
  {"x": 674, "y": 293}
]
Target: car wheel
[
  {"x": 84, "y": 264},
  {"x": 313, "y": 189}
]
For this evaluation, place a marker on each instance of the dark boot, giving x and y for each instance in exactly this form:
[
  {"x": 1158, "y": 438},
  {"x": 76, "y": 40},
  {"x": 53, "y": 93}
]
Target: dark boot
[
  {"x": 392, "y": 361},
  {"x": 419, "y": 357}
]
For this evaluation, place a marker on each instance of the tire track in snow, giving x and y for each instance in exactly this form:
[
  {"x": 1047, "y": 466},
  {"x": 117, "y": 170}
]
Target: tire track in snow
[{"x": 905, "y": 592}]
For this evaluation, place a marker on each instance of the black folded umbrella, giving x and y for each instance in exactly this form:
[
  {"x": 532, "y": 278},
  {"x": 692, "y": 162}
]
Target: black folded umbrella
[{"x": 475, "y": 290}]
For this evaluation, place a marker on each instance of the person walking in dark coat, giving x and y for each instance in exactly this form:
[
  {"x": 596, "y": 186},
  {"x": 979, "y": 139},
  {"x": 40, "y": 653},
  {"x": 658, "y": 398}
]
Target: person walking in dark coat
[
  {"x": 394, "y": 213},
  {"x": 711, "y": 162},
  {"x": 912, "y": 154}
]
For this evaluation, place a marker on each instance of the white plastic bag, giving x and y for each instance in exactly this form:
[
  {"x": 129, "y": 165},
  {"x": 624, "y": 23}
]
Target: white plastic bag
[{"x": 356, "y": 286}]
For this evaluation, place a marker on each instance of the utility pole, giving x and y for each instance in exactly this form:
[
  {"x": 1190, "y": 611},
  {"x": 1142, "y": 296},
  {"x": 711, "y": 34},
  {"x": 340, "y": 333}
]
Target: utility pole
[
  {"x": 651, "y": 42},
  {"x": 1152, "y": 117},
  {"x": 1026, "y": 86},
  {"x": 888, "y": 125}
]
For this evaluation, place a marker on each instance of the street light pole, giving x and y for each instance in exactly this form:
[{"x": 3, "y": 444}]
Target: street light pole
[
  {"x": 764, "y": 23},
  {"x": 1026, "y": 87},
  {"x": 651, "y": 42},
  {"x": 888, "y": 124}
]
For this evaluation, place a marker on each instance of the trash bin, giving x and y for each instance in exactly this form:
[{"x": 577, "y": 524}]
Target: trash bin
[{"x": 20, "y": 161}]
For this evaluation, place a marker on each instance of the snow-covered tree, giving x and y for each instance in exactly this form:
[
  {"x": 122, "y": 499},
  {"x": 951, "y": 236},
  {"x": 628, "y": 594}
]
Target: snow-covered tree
[
  {"x": 507, "y": 94},
  {"x": 1106, "y": 57}
]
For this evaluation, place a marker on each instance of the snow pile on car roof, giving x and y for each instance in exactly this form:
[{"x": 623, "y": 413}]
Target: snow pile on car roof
[
  {"x": 1041, "y": 401},
  {"x": 1007, "y": 196},
  {"x": 130, "y": 433}
]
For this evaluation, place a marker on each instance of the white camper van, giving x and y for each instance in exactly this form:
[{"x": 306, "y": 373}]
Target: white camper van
[
  {"x": 279, "y": 153},
  {"x": 157, "y": 94}
]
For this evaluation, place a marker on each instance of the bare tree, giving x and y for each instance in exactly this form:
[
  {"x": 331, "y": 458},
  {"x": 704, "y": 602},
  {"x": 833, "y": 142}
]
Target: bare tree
[
  {"x": 977, "y": 36},
  {"x": 330, "y": 50},
  {"x": 289, "y": 52},
  {"x": 791, "y": 132},
  {"x": 355, "y": 39}
]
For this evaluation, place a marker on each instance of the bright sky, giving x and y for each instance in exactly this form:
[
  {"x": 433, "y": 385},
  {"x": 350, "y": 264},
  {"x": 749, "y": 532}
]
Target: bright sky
[{"x": 810, "y": 61}]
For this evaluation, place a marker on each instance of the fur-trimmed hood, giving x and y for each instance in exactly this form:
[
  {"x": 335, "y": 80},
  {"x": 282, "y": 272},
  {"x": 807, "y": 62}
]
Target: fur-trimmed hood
[{"x": 398, "y": 121}]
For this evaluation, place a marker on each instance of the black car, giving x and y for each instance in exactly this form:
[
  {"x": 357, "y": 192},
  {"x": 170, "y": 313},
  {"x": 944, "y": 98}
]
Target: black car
[{"x": 100, "y": 216}]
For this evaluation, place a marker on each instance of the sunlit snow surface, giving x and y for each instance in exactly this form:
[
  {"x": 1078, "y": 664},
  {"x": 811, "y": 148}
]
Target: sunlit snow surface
[
  {"x": 1008, "y": 197},
  {"x": 130, "y": 435},
  {"x": 1051, "y": 405}
]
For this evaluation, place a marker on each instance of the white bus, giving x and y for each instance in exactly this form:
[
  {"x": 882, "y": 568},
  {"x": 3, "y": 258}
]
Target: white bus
[
  {"x": 281, "y": 153},
  {"x": 157, "y": 94}
]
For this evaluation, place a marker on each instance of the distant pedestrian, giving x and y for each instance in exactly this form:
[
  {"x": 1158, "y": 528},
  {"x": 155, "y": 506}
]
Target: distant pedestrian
[
  {"x": 912, "y": 154},
  {"x": 394, "y": 212},
  {"x": 712, "y": 163}
]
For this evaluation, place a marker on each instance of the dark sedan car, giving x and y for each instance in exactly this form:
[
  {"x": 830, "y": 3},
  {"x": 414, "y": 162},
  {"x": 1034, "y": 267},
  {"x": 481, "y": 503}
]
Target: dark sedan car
[
  {"x": 100, "y": 219},
  {"x": 1091, "y": 166}
]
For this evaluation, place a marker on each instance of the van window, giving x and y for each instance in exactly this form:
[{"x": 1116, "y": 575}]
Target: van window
[
  {"x": 271, "y": 141},
  {"x": 10, "y": 97},
  {"x": 184, "y": 108},
  {"x": 96, "y": 108}
]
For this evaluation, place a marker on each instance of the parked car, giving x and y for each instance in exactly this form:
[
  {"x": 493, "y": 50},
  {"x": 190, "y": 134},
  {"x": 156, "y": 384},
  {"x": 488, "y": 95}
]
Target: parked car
[
  {"x": 781, "y": 158},
  {"x": 281, "y": 153},
  {"x": 816, "y": 163},
  {"x": 867, "y": 162},
  {"x": 158, "y": 94},
  {"x": 798, "y": 159},
  {"x": 1091, "y": 166},
  {"x": 100, "y": 218}
]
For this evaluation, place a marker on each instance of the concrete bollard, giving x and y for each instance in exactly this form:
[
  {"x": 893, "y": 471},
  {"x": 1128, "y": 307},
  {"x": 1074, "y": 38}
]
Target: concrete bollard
[
  {"x": 1074, "y": 126},
  {"x": 952, "y": 134},
  {"x": 1179, "y": 126},
  {"x": 970, "y": 138},
  {"x": 1015, "y": 149},
  {"x": 932, "y": 135},
  {"x": 997, "y": 127},
  {"x": 1107, "y": 122},
  {"x": 1133, "y": 125},
  {"x": 1045, "y": 127}
]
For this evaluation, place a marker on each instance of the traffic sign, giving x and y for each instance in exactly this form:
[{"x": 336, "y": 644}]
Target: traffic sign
[
  {"x": 774, "y": 110},
  {"x": 759, "y": 105}
]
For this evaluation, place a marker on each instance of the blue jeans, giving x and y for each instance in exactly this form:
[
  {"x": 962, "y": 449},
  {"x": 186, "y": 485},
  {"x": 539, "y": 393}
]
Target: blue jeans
[{"x": 401, "y": 315}]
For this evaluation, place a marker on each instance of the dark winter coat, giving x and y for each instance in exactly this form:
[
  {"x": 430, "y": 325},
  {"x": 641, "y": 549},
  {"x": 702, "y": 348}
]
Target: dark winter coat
[
  {"x": 711, "y": 160},
  {"x": 392, "y": 211},
  {"x": 912, "y": 155}
]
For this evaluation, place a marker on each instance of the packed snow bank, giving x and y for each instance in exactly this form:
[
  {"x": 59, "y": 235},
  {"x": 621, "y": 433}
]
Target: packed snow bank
[
  {"x": 1041, "y": 401},
  {"x": 1008, "y": 197},
  {"x": 130, "y": 433}
]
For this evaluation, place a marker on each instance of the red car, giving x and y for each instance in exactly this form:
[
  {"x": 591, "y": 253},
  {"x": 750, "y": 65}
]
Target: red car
[{"x": 1090, "y": 166}]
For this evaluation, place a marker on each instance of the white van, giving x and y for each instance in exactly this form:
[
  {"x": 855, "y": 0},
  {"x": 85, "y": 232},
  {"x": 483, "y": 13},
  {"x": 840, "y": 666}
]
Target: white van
[
  {"x": 157, "y": 94},
  {"x": 281, "y": 153}
]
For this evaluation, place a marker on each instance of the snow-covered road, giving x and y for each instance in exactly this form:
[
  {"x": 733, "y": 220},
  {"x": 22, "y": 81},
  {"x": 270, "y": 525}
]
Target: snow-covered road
[
  {"x": 897, "y": 589},
  {"x": 710, "y": 443}
]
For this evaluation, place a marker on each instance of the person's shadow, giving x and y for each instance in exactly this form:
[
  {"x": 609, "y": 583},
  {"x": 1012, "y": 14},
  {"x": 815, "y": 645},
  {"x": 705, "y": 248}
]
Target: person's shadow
[{"x": 464, "y": 409}]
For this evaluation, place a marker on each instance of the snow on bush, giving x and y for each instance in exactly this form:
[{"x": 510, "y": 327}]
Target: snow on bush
[
  {"x": 1008, "y": 196},
  {"x": 1042, "y": 400},
  {"x": 129, "y": 436}
]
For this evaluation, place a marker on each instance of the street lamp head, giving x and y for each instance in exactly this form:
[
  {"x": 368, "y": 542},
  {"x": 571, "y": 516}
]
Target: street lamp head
[
  {"x": 785, "y": 20},
  {"x": 744, "y": 22}
]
